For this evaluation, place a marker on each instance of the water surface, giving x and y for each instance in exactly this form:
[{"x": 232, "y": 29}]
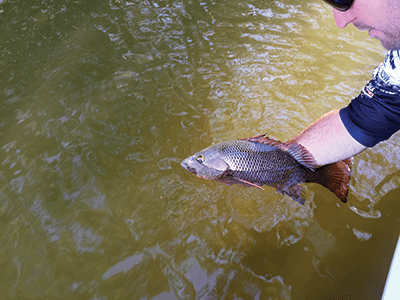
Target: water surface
[{"x": 99, "y": 104}]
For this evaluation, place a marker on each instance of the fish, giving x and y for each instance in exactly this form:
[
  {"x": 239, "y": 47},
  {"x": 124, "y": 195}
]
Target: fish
[{"x": 263, "y": 160}]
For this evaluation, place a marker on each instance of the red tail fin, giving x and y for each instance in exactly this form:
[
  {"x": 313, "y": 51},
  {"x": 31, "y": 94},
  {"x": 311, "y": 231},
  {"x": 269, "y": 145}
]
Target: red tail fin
[{"x": 335, "y": 177}]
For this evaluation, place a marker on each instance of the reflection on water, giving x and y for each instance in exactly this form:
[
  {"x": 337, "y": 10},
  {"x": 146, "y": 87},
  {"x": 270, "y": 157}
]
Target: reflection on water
[{"x": 102, "y": 101}]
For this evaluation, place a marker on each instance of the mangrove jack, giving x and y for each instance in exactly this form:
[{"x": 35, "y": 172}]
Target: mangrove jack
[{"x": 261, "y": 160}]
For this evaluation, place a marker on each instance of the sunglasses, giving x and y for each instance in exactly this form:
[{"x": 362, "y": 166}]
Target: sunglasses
[{"x": 341, "y": 5}]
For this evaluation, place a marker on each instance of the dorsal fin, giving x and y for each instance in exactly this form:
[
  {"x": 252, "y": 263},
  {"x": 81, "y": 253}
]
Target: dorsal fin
[
  {"x": 299, "y": 152},
  {"x": 302, "y": 155}
]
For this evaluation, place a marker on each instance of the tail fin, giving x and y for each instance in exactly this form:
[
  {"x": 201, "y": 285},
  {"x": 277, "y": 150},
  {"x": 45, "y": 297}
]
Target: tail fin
[{"x": 335, "y": 177}]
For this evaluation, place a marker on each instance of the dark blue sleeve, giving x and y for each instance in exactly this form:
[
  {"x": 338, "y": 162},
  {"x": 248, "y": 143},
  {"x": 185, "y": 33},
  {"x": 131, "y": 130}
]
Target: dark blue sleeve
[
  {"x": 371, "y": 120},
  {"x": 374, "y": 116}
]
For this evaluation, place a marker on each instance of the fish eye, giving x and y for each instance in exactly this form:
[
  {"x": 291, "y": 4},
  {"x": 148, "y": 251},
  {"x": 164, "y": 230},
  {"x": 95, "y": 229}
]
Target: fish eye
[{"x": 200, "y": 158}]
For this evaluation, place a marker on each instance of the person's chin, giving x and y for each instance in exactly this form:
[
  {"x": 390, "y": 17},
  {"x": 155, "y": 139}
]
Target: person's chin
[
  {"x": 387, "y": 43},
  {"x": 391, "y": 44}
]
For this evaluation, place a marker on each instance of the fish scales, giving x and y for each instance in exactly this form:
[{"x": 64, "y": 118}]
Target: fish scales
[
  {"x": 261, "y": 160},
  {"x": 260, "y": 163}
]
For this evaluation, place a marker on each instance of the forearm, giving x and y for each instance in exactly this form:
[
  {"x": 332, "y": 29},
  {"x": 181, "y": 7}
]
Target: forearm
[{"x": 328, "y": 140}]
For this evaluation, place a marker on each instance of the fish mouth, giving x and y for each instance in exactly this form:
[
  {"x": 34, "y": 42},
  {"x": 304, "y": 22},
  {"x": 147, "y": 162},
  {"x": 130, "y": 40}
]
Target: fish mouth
[{"x": 190, "y": 169}]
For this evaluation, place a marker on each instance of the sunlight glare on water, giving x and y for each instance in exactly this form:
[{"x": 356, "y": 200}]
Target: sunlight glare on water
[{"x": 102, "y": 101}]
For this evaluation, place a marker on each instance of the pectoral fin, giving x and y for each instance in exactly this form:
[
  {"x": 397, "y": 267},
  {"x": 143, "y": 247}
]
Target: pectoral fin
[
  {"x": 246, "y": 183},
  {"x": 230, "y": 179}
]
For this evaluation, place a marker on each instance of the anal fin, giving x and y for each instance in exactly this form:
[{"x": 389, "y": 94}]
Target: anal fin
[{"x": 295, "y": 191}]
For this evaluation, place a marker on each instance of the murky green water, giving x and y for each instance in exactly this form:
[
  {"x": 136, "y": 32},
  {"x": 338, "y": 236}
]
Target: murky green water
[{"x": 99, "y": 104}]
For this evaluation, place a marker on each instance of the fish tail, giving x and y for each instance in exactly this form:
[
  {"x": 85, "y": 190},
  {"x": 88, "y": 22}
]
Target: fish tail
[{"x": 335, "y": 177}]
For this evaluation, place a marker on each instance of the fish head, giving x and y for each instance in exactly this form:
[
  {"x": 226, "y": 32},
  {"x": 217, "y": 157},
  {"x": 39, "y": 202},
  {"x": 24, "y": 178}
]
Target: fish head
[{"x": 207, "y": 164}]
